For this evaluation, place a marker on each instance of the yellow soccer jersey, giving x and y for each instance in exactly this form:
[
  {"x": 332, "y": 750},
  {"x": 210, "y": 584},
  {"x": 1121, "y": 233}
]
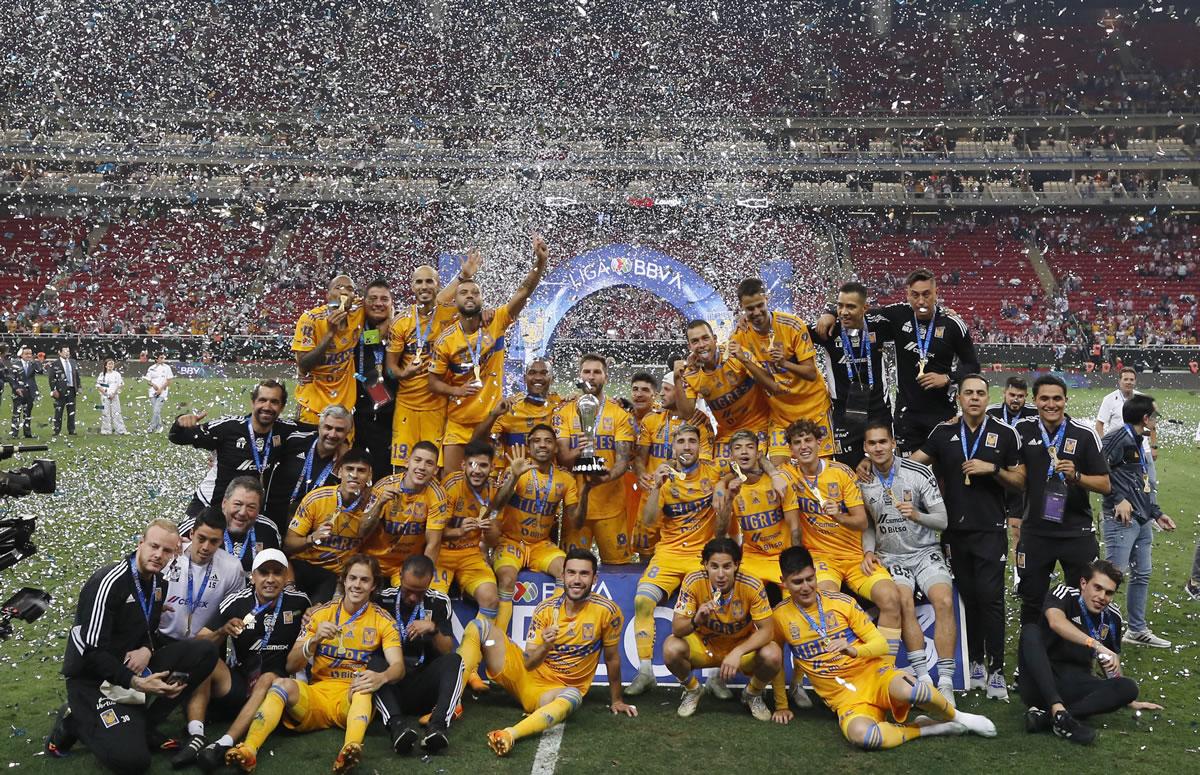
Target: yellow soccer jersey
[
  {"x": 464, "y": 503},
  {"x": 732, "y": 396},
  {"x": 573, "y": 661},
  {"x": 332, "y": 382},
  {"x": 656, "y": 432},
  {"x": 808, "y": 647},
  {"x": 324, "y": 505},
  {"x": 413, "y": 333},
  {"x": 401, "y": 530},
  {"x": 822, "y": 534},
  {"x": 759, "y": 513},
  {"x": 800, "y": 398},
  {"x": 687, "y": 519},
  {"x": 511, "y": 428},
  {"x": 528, "y": 517},
  {"x": 454, "y": 362},
  {"x": 736, "y": 611},
  {"x": 614, "y": 425},
  {"x": 342, "y": 656}
]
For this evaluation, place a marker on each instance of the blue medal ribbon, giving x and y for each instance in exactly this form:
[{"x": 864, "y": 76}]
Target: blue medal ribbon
[
  {"x": 864, "y": 354},
  {"x": 306, "y": 473},
  {"x": 1056, "y": 442},
  {"x": 422, "y": 333},
  {"x": 248, "y": 541},
  {"x": 924, "y": 341},
  {"x": 418, "y": 612},
  {"x": 193, "y": 601},
  {"x": 475, "y": 352},
  {"x": 147, "y": 604},
  {"x": 820, "y": 628},
  {"x": 1137, "y": 443},
  {"x": 688, "y": 469},
  {"x": 378, "y": 353},
  {"x": 260, "y": 463},
  {"x": 268, "y": 624},
  {"x": 887, "y": 483},
  {"x": 337, "y": 622},
  {"x": 535, "y": 400},
  {"x": 541, "y": 497},
  {"x": 354, "y": 504},
  {"x": 1096, "y": 630},
  {"x": 668, "y": 447},
  {"x": 962, "y": 437}
]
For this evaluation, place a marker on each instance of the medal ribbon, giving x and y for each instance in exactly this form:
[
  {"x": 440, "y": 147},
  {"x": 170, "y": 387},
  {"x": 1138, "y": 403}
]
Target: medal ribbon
[
  {"x": 194, "y": 602},
  {"x": 260, "y": 463},
  {"x": 1056, "y": 442},
  {"x": 267, "y": 628},
  {"x": 418, "y": 612},
  {"x": 864, "y": 354},
  {"x": 924, "y": 341},
  {"x": 249, "y": 540},
  {"x": 1137, "y": 442},
  {"x": 821, "y": 629},
  {"x": 306, "y": 473},
  {"x": 963, "y": 432},
  {"x": 147, "y": 604},
  {"x": 541, "y": 497}
]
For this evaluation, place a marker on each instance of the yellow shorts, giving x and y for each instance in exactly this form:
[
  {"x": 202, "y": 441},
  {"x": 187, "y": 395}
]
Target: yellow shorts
[
  {"x": 322, "y": 705},
  {"x": 764, "y": 567},
  {"x": 721, "y": 446},
  {"x": 871, "y": 698},
  {"x": 779, "y": 446},
  {"x": 536, "y": 557},
  {"x": 711, "y": 652},
  {"x": 849, "y": 571},
  {"x": 668, "y": 569},
  {"x": 412, "y": 425},
  {"x": 610, "y": 534},
  {"x": 457, "y": 433},
  {"x": 391, "y": 563},
  {"x": 468, "y": 566},
  {"x": 526, "y": 687}
]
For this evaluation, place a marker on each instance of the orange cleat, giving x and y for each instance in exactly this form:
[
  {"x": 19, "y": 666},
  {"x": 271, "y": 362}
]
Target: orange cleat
[
  {"x": 348, "y": 758},
  {"x": 458, "y": 711},
  {"x": 500, "y": 741},
  {"x": 242, "y": 756}
]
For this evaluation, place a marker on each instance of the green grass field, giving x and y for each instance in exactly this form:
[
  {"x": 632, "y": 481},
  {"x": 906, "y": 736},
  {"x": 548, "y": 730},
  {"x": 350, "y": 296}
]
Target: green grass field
[{"x": 110, "y": 486}]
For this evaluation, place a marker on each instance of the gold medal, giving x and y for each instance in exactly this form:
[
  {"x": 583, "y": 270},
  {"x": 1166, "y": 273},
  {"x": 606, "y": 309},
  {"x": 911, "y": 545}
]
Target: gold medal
[
  {"x": 249, "y": 621},
  {"x": 1053, "y": 452},
  {"x": 967, "y": 479},
  {"x": 737, "y": 470},
  {"x": 921, "y": 367},
  {"x": 475, "y": 368},
  {"x": 675, "y": 472},
  {"x": 417, "y": 357},
  {"x": 1145, "y": 482}
]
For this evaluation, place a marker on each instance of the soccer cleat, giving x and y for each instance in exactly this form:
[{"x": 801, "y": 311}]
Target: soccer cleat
[
  {"x": 212, "y": 758},
  {"x": 1145, "y": 638},
  {"x": 1070, "y": 728},
  {"x": 996, "y": 688},
  {"x": 640, "y": 684},
  {"x": 435, "y": 741},
  {"x": 946, "y": 687},
  {"x": 458, "y": 711},
  {"x": 403, "y": 738},
  {"x": 1037, "y": 720},
  {"x": 757, "y": 705},
  {"x": 977, "y": 677},
  {"x": 61, "y": 736},
  {"x": 241, "y": 756},
  {"x": 690, "y": 701},
  {"x": 500, "y": 741},
  {"x": 477, "y": 685},
  {"x": 800, "y": 697},
  {"x": 348, "y": 758},
  {"x": 980, "y": 725},
  {"x": 1192, "y": 590},
  {"x": 188, "y": 754},
  {"x": 157, "y": 742},
  {"x": 717, "y": 688}
]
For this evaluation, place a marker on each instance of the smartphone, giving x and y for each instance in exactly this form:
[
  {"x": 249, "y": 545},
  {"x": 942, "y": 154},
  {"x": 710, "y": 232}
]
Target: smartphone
[{"x": 177, "y": 677}]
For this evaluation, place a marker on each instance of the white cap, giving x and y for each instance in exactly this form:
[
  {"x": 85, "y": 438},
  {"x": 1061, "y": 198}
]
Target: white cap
[
  {"x": 269, "y": 555},
  {"x": 669, "y": 378}
]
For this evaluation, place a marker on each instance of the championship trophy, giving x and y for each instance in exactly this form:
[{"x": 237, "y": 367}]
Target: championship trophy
[{"x": 587, "y": 406}]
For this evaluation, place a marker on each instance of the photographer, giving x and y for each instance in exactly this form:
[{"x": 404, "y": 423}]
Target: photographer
[{"x": 119, "y": 687}]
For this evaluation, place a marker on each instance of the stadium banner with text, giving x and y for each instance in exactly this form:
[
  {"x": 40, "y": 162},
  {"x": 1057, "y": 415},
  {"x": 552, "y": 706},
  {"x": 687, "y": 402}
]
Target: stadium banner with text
[{"x": 619, "y": 585}]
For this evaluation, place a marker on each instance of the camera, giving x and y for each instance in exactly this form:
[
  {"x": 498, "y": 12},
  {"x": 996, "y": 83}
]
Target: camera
[{"x": 40, "y": 476}]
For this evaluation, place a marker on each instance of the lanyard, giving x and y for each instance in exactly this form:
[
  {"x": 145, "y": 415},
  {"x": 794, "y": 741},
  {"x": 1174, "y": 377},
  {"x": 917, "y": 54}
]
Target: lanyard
[
  {"x": 719, "y": 600},
  {"x": 194, "y": 602},
  {"x": 962, "y": 437},
  {"x": 891, "y": 477},
  {"x": 1055, "y": 444},
  {"x": 814, "y": 484},
  {"x": 260, "y": 463},
  {"x": 864, "y": 354},
  {"x": 418, "y": 612},
  {"x": 337, "y": 622},
  {"x": 248, "y": 541},
  {"x": 354, "y": 504},
  {"x": 1137, "y": 443},
  {"x": 1004, "y": 410},
  {"x": 668, "y": 448},
  {"x": 147, "y": 604},
  {"x": 269, "y": 624},
  {"x": 477, "y": 351},
  {"x": 819, "y": 628},
  {"x": 541, "y": 497},
  {"x": 362, "y": 362},
  {"x": 924, "y": 341},
  {"x": 484, "y": 503},
  {"x": 306, "y": 473},
  {"x": 1094, "y": 631},
  {"x": 422, "y": 332}
]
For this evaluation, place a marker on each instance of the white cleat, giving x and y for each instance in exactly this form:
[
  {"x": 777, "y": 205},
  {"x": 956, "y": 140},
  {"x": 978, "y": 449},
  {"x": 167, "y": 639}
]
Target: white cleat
[
  {"x": 996, "y": 688},
  {"x": 717, "y": 688},
  {"x": 757, "y": 705},
  {"x": 691, "y": 701},
  {"x": 980, "y": 725},
  {"x": 977, "y": 677},
  {"x": 641, "y": 683},
  {"x": 800, "y": 697}
]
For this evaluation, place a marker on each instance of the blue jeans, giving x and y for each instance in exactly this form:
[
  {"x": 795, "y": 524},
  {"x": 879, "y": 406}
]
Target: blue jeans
[{"x": 1128, "y": 547}]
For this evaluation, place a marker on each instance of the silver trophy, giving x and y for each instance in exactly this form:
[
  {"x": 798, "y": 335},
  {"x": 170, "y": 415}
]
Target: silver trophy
[{"x": 587, "y": 406}]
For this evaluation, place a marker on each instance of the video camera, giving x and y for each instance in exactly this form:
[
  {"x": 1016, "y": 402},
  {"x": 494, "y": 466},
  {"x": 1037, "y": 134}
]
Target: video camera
[
  {"x": 40, "y": 476},
  {"x": 16, "y": 532}
]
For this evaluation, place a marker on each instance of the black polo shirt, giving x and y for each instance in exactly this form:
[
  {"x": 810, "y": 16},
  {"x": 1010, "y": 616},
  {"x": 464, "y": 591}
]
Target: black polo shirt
[
  {"x": 1107, "y": 624},
  {"x": 980, "y": 505},
  {"x": 436, "y": 607},
  {"x": 266, "y": 536},
  {"x": 950, "y": 340},
  {"x": 843, "y": 363},
  {"x": 1079, "y": 445},
  {"x": 1000, "y": 410},
  {"x": 250, "y": 654}
]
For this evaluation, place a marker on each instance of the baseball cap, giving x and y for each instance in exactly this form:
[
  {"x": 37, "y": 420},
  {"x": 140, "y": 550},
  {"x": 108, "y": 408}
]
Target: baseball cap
[
  {"x": 669, "y": 378},
  {"x": 269, "y": 555}
]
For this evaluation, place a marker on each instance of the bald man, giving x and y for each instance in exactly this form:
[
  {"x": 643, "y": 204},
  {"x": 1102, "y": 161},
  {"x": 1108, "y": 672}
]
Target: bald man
[{"x": 324, "y": 345}]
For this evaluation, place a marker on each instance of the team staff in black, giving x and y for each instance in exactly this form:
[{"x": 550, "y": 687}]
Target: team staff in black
[
  {"x": 22, "y": 376},
  {"x": 855, "y": 348},
  {"x": 247, "y": 532},
  {"x": 1063, "y": 466},
  {"x": 63, "y": 375},
  {"x": 262, "y": 622},
  {"x": 978, "y": 460},
  {"x": 110, "y": 651},
  {"x": 1009, "y": 410},
  {"x": 249, "y": 444},
  {"x": 1078, "y": 631},
  {"x": 375, "y": 404},
  {"x": 309, "y": 459}
]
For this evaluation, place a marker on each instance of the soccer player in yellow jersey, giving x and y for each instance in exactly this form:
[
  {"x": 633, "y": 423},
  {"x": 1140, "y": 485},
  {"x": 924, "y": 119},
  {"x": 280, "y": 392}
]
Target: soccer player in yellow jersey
[
  {"x": 731, "y": 383},
  {"x": 336, "y": 646},
  {"x": 682, "y": 497},
  {"x": 643, "y": 398},
  {"x": 324, "y": 345},
  {"x": 404, "y": 505},
  {"x": 765, "y": 519},
  {"x": 722, "y": 618},
  {"x": 330, "y": 524},
  {"x": 562, "y": 650},
  {"x": 832, "y": 522},
  {"x": 510, "y": 421},
  {"x": 782, "y": 345},
  {"x": 835, "y": 645},
  {"x": 610, "y": 439},
  {"x": 528, "y": 518},
  {"x": 467, "y": 364}
]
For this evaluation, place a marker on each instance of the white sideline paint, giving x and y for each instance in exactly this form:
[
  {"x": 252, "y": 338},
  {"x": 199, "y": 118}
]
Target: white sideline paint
[{"x": 546, "y": 758}]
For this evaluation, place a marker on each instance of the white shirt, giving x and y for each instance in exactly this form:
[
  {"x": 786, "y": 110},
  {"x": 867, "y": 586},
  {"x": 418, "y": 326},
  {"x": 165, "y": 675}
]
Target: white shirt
[
  {"x": 1110, "y": 414},
  {"x": 110, "y": 383},
  {"x": 158, "y": 376},
  {"x": 226, "y": 578},
  {"x": 68, "y": 372}
]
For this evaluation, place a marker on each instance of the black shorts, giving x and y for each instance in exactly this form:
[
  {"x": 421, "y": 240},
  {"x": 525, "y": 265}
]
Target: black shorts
[{"x": 240, "y": 686}]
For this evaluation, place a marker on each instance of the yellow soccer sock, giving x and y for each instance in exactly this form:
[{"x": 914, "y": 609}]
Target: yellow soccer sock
[
  {"x": 504, "y": 612},
  {"x": 691, "y": 684},
  {"x": 469, "y": 649},
  {"x": 359, "y": 717},
  {"x": 892, "y": 636},
  {"x": 928, "y": 699},
  {"x": 891, "y": 735},
  {"x": 267, "y": 718},
  {"x": 553, "y": 712},
  {"x": 756, "y": 685},
  {"x": 643, "y": 626},
  {"x": 779, "y": 685}
]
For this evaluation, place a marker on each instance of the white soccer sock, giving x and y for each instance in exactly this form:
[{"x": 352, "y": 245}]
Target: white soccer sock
[
  {"x": 919, "y": 663},
  {"x": 646, "y": 666},
  {"x": 225, "y": 740},
  {"x": 943, "y": 728},
  {"x": 195, "y": 728}
]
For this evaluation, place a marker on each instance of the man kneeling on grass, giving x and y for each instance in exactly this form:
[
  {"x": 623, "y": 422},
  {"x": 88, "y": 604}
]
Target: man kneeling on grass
[
  {"x": 841, "y": 652},
  {"x": 562, "y": 651}
]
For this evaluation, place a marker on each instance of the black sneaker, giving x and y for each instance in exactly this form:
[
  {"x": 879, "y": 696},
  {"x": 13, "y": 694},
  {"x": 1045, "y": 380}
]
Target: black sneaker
[
  {"x": 62, "y": 735},
  {"x": 435, "y": 741},
  {"x": 212, "y": 758},
  {"x": 404, "y": 739},
  {"x": 189, "y": 753},
  {"x": 1192, "y": 590},
  {"x": 1037, "y": 720},
  {"x": 1070, "y": 728}
]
